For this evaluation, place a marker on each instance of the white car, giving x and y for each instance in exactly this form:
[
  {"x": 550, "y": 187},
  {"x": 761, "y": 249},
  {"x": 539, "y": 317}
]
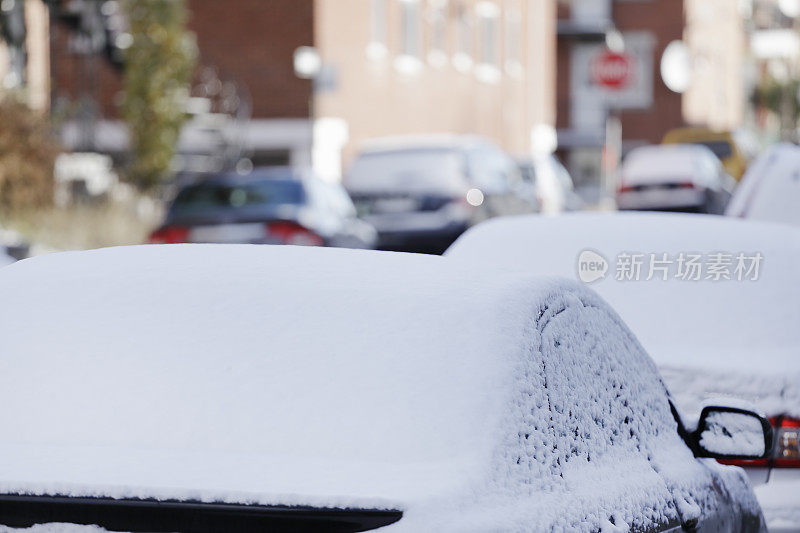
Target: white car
[
  {"x": 673, "y": 177},
  {"x": 710, "y": 338},
  {"x": 770, "y": 189},
  {"x": 202, "y": 388}
]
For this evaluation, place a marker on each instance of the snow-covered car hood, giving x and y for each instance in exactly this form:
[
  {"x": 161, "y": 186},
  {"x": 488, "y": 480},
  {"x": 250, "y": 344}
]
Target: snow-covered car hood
[{"x": 711, "y": 338}]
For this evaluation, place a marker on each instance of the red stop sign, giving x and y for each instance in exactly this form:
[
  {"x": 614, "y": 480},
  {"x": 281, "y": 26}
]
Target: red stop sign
[{"x": 612, "y": 70}]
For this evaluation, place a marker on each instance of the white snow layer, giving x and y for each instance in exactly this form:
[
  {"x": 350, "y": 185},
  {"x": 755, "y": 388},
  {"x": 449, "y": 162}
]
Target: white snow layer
[
  {"x": 709, "y": 338},
  {"x": 770, "y": 189},
  {"x": 728, "y": 433},
  {"x": 282, "y": 375},
  {"x": 778, "y": 499}
]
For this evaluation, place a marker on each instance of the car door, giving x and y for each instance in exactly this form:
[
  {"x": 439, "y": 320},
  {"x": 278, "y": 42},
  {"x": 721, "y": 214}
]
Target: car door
[{"x": 623, "y": 412}]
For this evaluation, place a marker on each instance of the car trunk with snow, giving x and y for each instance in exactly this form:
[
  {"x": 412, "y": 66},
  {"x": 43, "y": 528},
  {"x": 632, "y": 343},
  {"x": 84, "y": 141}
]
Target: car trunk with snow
[{"x": 231, "y": 385}]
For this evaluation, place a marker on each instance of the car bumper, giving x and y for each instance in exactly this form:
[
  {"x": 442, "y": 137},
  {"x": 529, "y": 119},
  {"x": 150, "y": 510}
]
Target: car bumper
[
  {"x": 434, "y": 241},
  {"x": 662, "y": 199},
  {"x": 432, "y": 232}
]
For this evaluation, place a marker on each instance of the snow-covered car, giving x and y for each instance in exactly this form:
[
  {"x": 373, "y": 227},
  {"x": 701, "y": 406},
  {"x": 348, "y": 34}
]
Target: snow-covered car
[
  {"x": 770, "y": 189},
  {"x": 710, "y": 336},
  {"x": 673, "y": 177},
  {"x": 238, "y": 387}
]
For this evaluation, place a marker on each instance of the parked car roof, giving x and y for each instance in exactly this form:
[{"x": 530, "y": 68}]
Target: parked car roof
[
  {"x": 737, "y": 337},
  {"x": 669, "y": 162},
  {"x": 411, "y": 142},
  {"x": 282, "y": 375}
]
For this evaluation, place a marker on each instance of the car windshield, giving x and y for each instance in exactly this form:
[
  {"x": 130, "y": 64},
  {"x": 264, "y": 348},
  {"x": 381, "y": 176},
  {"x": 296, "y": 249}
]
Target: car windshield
[
  {"x": 219, "y": 195},
  {"x": 439, "y": 169}
]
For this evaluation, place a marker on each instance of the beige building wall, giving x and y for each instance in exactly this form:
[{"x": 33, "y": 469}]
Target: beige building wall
[
  {"x": 444, "y": 81},
  {"x": 37, "y": 44},
  {"x": 715, "y": 36},
  {"x": 37, "y": 47}
]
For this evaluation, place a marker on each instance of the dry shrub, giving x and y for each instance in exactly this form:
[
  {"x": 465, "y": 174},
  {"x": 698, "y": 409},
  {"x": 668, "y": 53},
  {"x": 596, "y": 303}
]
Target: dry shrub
[{"x": 27, "y": 155}]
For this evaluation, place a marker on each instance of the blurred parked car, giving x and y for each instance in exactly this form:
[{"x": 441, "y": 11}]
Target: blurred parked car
[
  {"x": 421, "y": 193},
  {"x": 680, "y": 177},
  {"x": 259, "y": 388},
  {"x": 770, "y": 190},
  {"x": 552, "y": 184},
  {"x": 5, "y": 257},
  {"x": 722, "y": 143},
  {"x": 267, "y": 206},
  {"x": 729, "y": 337},
  {"x": 12, "y": 247}
]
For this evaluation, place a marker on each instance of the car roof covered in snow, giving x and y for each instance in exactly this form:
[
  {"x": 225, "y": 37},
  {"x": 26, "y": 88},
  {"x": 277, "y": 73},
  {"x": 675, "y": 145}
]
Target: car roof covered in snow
[
  {"x": 670, "y": 162},
  {"x": 420, "y": 142},
  {"x": 745, "y": 328},
  {"x": 335, "y": 378}
]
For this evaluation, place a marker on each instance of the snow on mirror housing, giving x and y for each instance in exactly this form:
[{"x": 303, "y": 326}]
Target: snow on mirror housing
[{"x": 732, "y": 433}]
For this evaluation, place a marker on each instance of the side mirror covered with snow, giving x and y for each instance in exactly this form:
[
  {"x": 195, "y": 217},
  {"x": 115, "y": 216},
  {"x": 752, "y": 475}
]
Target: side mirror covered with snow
[{"x": 732, "y": 433}]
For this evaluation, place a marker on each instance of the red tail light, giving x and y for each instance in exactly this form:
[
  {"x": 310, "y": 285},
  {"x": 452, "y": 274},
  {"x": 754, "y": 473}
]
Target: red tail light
[
  {"x": 787, "y": 442},
  {"x": 169, "y": 235},
  {"x": 685, "y": 185},
  {"x": 626, "y": 188},
  {"x": 293, "y": 233},
  {"x": 786, "y": 452}
]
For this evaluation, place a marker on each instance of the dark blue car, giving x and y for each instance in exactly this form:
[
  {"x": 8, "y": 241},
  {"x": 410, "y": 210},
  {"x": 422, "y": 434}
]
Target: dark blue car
[{"x": 266, "y": 206}]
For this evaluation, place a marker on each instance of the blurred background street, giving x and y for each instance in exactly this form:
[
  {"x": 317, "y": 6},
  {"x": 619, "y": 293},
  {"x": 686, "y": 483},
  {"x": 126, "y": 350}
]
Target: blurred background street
[{"x": 404, "y": 122}]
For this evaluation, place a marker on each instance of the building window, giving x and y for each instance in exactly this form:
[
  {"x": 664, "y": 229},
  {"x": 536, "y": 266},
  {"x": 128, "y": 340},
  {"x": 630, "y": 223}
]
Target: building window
[
  {"x": 408, "y": 60},
  {"x": 462, "y": 59},
  {"x": 377, "y": 47},
  {"x": 489, "y": 29},
  {"x": 409, "y": 28},
  {"x": 513, "y": 33},
  {"x": 437, "y": 55}
]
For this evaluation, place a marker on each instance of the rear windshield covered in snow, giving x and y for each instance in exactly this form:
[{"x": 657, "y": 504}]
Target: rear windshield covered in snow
[
  {"x": 667, "y": 163},
  {"x": 437, "y": 169}
]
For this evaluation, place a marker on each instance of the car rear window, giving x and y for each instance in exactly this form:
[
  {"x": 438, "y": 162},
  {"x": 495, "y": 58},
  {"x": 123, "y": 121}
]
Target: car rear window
[
  {"x": 667, "y": 163},
  {"x": 216, "y": 195},
  {"x": 436, "y": 169},
  {"x": 721, "y": 149}
]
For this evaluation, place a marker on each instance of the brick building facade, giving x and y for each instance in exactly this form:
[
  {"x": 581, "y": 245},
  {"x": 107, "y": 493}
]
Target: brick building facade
[{"x": 390, "y": 67}]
